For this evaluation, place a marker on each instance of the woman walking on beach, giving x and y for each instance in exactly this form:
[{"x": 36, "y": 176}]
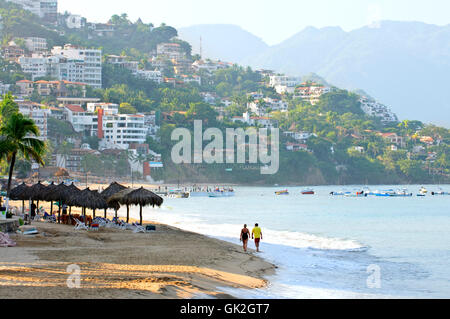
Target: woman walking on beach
[{"x": 245, "y": 234}]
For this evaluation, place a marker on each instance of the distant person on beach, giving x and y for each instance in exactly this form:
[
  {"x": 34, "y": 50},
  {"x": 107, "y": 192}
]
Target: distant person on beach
[
  {"x": 257, "y": 235},
  {"x": 33, "y": 210},
  {"x": 245, "y": 234}
]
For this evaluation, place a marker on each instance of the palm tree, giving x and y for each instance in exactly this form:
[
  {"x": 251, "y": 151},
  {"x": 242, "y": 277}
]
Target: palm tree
[{"x": 18, "y": 136}]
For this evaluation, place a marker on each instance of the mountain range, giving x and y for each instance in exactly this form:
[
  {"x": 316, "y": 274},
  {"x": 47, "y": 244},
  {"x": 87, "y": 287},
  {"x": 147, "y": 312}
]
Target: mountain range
[{"x": 405, "y": 65}]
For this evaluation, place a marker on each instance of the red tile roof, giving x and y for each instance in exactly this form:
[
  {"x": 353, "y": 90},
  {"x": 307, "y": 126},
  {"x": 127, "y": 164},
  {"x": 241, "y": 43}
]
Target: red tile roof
[{"x": 75, "y": 108}]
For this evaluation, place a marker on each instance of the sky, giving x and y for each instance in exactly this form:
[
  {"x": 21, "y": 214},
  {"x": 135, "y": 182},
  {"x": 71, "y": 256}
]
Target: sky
[{"x": 272, "y": 20}]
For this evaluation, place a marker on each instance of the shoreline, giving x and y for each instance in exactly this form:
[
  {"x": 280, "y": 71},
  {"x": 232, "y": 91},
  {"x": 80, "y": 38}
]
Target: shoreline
[{"x": 167, "y": 264}]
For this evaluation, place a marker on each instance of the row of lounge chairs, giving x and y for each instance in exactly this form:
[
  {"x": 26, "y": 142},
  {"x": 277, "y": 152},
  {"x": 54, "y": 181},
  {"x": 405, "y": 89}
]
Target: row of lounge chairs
[{"x": 116, "y": 223}]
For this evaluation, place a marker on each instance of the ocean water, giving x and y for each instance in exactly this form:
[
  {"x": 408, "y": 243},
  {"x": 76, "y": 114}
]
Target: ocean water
[{"x": 331, "y": 246}]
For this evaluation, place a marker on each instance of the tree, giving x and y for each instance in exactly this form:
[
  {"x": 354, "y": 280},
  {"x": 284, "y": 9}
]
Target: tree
[
  {"x": 19, "y": 136},
  {"x": 7, "y": 107}
]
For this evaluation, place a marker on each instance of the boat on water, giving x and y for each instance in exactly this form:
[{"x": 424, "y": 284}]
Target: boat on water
[
  {"x": 284, "y": 192},
  {"x": 357, "y": 194},
  {"x": 401, "y": 193},
  {"x": 385, "y": 193},
  {"x": 177, "y": 193},
  {"x": 422, "y": 192},
  {"x": 221, "y": 194},
  {"x": 308, "y": 192},
  {"x": 440, "y": 193},
  {"x": 341, "y": 193}
]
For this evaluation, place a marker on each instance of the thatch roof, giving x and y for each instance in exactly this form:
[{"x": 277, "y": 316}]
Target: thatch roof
[
  {"x": 56, "y": 193},
  {"x": 21, "y": 192},
  {"x": 37, "y": 191},
  {"x": 88, "y": 199},
  {"x": 112, "y": 189},
  {"x": 139, "y": 196}
]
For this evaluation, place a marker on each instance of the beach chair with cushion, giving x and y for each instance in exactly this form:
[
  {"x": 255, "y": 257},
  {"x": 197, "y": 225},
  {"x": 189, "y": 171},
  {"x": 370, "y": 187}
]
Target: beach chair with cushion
[{"x": 80, "y": 225}]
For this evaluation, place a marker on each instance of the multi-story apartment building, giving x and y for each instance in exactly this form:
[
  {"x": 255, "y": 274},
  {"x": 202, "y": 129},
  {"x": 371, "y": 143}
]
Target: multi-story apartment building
[
  {"x": 35, "y": 44},
  {"x": 38, "y": 114},
  {"x": 45, "y": 9},
  {"x": 311, "y": 92},
  {"x": 155, "y": 76},
  {"x": 122, "y": 129},
  {"x": 36, "y": 65},
  {"x": 82, "y": 120},
  {"x": 123, "y": 62},
  {"x": 170, "y": 51},
  {"x": 373, "y": 108},
  {"x": 81, "y": 65}
]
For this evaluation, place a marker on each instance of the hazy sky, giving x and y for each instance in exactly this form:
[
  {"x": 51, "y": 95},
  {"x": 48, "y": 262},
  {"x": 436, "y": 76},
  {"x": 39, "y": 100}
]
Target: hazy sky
[{"x": 271, "y": 20}]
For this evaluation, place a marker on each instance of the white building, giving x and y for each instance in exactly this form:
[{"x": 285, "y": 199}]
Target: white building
[
  {"x": 35, "y": 44},
  {"x": 45, "y": 9},
  {"x": 155, "y": 76},
  {"x": 285, "y": 80},
  {"x": 4, "y": 88},
  {"x": 81, "y": 120},
  {"x": 373, "y": 108},
  {"x": 124, "y": 129},
  {"x": 170, "y": 51},
  {"x": 123, "y": 62},
  {"x": 38, "y": 114},
  {"x": 311, "y": 92},
  {"x": 36, "y": 65},
  {"x": 75, "y": 21},
  {"x": 299, "y": 136},
  {"x": 266, "y": 122},
  {"x": 83, "y": 65}
]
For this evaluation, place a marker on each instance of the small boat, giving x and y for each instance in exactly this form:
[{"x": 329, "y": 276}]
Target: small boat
[
  {"x": 357, "y": 194},
  {"x": 285, "y": 192},
  {"x": 402, "y": 193},
  {"x": 423, "y": 191},
  {"x": 221, "y": 194},
  {"x": 342, "y": 193},
  {"x": 308, "y": 192},
  {"x": 440, "y": 192}
]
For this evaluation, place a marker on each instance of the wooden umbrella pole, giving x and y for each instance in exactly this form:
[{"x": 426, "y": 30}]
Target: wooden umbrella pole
[
  {"x": 115, "y": 209},
  {"x": 105, "y": 213},
  {"x": 51, "y": 208},
  {"x": 128, "y": 213},
  {"x": 140, "y": 213}
]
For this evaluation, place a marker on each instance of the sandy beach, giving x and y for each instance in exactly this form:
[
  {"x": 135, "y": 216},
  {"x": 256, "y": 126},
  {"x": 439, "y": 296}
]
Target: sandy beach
[{"x": 169, "y": 263}]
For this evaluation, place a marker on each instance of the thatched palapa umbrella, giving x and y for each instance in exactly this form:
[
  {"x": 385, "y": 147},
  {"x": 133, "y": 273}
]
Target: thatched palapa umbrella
[
  {"x": 71, "y": 191},
  {"x": 58, "y": 194},
  {"x": 117, "y": 200},
  {"x": 21, "y": 192},
  {"x": 112, "y": 189},
  {"x": 88, "y": 199},
  {"x": 141, "y": 197},
  {"x": 37, "y": 192}
]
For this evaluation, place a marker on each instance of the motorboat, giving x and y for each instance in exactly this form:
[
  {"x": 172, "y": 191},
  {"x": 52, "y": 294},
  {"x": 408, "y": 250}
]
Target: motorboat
[
  {"x": 222, "y": 193},
  {"x": 440, "y": 192},
  {"x": 308, "y": 192}
]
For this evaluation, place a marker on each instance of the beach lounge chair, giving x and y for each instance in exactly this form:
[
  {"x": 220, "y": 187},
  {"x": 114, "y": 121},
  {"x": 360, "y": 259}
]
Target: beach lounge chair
[
  {"x": 80, "y": 225},
  {"x": 138, "y": 228}
]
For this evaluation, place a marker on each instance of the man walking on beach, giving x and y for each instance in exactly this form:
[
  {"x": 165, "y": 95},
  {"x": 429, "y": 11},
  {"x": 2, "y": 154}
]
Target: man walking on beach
[{"x": 257, "y": 235}]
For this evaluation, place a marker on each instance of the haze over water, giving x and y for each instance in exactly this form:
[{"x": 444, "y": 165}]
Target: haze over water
[{"x": 323, "y": 244}]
